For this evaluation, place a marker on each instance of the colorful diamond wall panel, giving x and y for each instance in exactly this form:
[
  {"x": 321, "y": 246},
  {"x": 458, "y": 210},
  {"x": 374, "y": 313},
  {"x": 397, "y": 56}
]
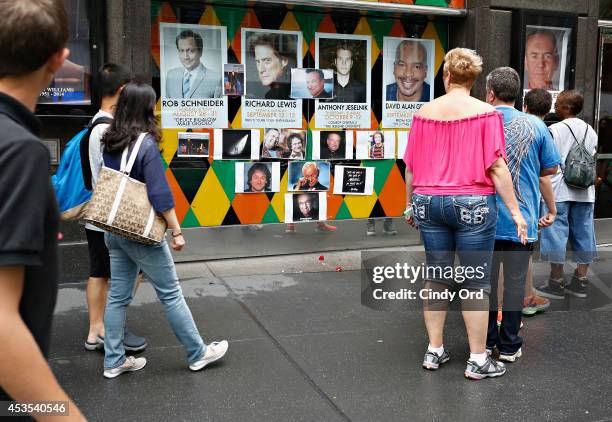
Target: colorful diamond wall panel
[{"x": 204, "y": 187}]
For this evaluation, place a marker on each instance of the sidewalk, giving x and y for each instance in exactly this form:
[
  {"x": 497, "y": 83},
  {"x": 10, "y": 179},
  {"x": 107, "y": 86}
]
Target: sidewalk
[{"x": 303, "y": 348}]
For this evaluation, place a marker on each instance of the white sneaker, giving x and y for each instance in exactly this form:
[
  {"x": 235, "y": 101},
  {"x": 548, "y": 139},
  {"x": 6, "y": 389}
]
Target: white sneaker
[
  {"x": 131, "y": 364},
  {"x": 214, "y": 351}
]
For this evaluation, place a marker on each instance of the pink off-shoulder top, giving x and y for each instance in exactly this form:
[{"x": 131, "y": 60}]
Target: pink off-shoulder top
[{"x": 451, "y": 157}]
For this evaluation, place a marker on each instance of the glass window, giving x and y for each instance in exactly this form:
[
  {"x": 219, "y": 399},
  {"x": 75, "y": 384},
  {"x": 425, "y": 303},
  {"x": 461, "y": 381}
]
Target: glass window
[{"x": 72, "y": 84}]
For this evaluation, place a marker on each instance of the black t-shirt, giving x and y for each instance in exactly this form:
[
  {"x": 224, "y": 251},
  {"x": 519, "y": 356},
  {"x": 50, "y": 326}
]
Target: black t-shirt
[{"x": 28, "y": 217}]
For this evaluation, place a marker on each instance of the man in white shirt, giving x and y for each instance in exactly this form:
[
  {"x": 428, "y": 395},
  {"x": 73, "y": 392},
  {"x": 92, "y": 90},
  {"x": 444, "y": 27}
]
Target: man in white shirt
[
  {"x": 112, "y": 79},
  {"x": 574, "y": 206}
]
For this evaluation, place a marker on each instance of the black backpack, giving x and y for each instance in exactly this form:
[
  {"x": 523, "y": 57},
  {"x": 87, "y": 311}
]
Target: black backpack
[
  {"x": 579, "y": 169},
  {"x": 84, "y": 150}
]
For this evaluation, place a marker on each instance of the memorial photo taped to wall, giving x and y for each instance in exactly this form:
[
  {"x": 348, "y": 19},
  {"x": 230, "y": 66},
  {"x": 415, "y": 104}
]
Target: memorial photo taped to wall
[
  {"x": 353, "y": 180},
  {"x": 193, "y": 144},
  {"x": 308, "y": 176},
  {"x": 305, "y": 206},
  {"x": 257, "y": 177},
  {"x": 236, "y": 144},
  {"x": 332, "y": 145}
]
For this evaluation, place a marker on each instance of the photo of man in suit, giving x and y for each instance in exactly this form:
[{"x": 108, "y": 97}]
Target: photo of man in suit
[
  {"x": 310, "y": 178},
  {"x": 333, "y": 146},
  {"x": 410, "y": 71},
  {"x": 192, "y": 79}
]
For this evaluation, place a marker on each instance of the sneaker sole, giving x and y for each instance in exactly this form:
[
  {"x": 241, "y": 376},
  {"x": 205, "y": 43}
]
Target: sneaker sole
[
  {"x": 510, "y": 358},
  {"x": 199, "y": 368},
  {"x": 135, "y": 349},
  {"x": 575, "y": 294},
  {"x": 529, "y": 311},
  {"x": 549, "y": 295},
  {"x": 92, "y": 347},
  {"x": 371, "y": 233},
  {"x": 433, "y": 366},
  {"x": 478, "y": 377},
  {"x": 113, "y": 375}
]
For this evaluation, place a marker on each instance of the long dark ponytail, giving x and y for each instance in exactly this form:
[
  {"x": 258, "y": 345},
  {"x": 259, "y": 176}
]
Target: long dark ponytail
[{"x": 135, "y": 113}]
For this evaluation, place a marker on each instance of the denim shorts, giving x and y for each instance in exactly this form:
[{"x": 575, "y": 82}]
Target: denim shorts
[
  {"x": 457, "y": 224},
  {"x": 574, "y": 222}
]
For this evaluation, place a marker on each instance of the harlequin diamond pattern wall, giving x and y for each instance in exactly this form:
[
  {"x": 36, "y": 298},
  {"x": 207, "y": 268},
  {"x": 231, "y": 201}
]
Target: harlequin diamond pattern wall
[{"x": 204, "y": 193}]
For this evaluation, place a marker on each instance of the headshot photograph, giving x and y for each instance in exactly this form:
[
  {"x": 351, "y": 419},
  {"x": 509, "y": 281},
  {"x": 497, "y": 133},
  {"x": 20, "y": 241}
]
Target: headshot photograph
[
  {"x": 546, "y": 57},
  {"x": 296, "y": 144},
  {"x": 257, "y": 177},
  {"x": 408, "y": 67},
  {"x": 193, "y": 144},
  {"x": 332, "y": 145},
  {"x": 233, "y": 79},
  {"x": 192, "y": 58},
  {"x": 308, "y": 176},
  {"x": 349, "y": 57},
  {"x": 272, "y": 147},
  {"x": 375, "y": 145},
  {"x": 236, "y": 144},
  {"x": 268, "y": 57},
  {"x": 312, "y": 83},
  {"x": 310, "y": 206}
]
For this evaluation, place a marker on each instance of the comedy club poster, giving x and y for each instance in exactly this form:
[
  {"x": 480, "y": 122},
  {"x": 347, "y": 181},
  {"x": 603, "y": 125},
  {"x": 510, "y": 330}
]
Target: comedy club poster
[
  {"x": 350, "y": 58},
  {"x": 268, "y": 57},
  {"x": 408, "y": 79},
  {"x": 191, "y": 76}
]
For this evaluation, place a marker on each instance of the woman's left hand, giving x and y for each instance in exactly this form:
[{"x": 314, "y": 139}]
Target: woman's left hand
[{"x": 177, "y": 242}]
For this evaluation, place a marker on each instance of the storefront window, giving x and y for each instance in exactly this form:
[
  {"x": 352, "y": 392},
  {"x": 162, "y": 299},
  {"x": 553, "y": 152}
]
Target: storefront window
[
  {"x": 603, "y": 205},
  {"x": 72, "y": 84}
]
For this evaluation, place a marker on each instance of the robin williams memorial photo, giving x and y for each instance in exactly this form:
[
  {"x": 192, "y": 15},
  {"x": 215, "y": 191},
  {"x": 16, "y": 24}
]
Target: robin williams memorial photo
[
  {"x": 193, "y": 144},
  {"x": 350, "y": 58},
  {"x": 268, "y": 57},
  {"x": 408, "y": 77},
  {"x": 236, "y": 144},
  {"x": 191, "y": 74},
  {"x": 257, "y": 177},
  {"x": 306, "y": 206},
  {"x": 353, "y": 180},
  {"x": 332, "y": 145}
]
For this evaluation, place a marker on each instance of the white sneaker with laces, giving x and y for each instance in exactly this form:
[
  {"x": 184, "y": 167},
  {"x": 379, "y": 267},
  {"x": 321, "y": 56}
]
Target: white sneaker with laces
[
  {"x": 214, "y": 351},
  {"x": 511, "y": 358},
  {"x": 131, "y": 364}
]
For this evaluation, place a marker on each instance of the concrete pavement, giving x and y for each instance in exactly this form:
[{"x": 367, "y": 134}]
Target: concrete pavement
[{"x": 303, "y": 348}]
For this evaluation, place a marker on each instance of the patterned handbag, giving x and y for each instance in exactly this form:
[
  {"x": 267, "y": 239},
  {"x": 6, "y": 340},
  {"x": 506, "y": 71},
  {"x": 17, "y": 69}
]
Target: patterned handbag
[{"x": 120, "y": 204}]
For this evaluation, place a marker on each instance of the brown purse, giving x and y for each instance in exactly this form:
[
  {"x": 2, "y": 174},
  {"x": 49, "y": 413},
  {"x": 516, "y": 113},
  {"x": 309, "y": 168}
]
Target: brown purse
[{"x": 120, "y": 205}]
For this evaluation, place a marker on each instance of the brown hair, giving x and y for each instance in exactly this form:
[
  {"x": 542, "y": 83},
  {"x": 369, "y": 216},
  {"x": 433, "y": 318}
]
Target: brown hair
[
  {"x": 464, "y": 66},
  {"x": 30, "y": 33},
  {"x": 571, "y": 101}
]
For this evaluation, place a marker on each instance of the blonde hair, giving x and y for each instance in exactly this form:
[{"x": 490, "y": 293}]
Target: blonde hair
[{"x": 464, "y": 66}]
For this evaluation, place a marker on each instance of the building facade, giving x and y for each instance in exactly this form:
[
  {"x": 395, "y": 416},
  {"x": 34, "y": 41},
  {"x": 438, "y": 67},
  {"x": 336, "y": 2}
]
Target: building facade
[{"x": 210, "y": 181}]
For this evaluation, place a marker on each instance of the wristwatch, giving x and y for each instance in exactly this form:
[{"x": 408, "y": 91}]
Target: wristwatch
[{"x": 408, "y": 212}]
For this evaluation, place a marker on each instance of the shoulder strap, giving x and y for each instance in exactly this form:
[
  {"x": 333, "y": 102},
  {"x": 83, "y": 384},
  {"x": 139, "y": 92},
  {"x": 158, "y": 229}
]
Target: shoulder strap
[
  {"x": 571, "y": 131},
  {"x": 84, "y": 149},
  {"x": 126, "y": 165}
]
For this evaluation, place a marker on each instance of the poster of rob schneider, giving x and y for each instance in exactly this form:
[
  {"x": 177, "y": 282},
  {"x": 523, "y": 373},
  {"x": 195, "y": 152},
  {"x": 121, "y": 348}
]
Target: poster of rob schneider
[
  {"x": 268, "y": 57},
  {"x": 350, "y": 58},
  {"x": 408, "y": 79},
  {"x": 191, "y": 75}
]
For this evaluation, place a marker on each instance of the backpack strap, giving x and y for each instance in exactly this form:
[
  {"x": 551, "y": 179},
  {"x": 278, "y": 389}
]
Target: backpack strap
[
  {"x": 586, "y": 131},
  {"x": 84, "y": 150}
]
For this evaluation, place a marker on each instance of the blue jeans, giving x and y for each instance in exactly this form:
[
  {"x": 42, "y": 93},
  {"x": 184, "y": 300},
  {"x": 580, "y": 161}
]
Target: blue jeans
[
  {"x": 574, "y": 222},
  {"x": 461, "y": 223},
  {"x": 126, "y": 257}
]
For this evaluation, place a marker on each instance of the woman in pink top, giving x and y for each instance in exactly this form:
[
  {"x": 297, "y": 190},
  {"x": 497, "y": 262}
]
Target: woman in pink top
[{"x": 455, "y": 162}]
